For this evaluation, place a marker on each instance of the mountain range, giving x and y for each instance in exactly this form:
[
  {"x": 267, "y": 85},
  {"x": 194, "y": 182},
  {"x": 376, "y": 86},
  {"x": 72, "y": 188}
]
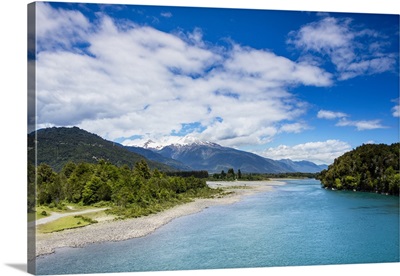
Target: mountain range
[
  {"x": 57, "y": 146},
  {"x": 214, "y": 158}
]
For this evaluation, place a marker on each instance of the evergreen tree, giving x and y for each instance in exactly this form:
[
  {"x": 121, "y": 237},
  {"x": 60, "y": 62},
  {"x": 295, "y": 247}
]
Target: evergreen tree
[
  {"x": 231, "y": 174},
  {"x": 239, "y": 174},
  {"x": 223, "y": 174},
  {"x": 142, "y": 169}
]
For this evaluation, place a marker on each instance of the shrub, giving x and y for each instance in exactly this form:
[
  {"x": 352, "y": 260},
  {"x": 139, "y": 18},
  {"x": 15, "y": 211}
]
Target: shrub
[{"x": 86, "y": 219}]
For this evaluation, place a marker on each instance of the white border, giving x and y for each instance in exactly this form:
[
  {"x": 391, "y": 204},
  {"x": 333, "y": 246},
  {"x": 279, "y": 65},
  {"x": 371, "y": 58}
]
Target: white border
[{"x": 13, "y": 130}]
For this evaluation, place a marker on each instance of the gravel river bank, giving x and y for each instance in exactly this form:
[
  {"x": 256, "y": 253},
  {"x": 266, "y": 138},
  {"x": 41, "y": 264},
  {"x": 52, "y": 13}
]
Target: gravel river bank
[{"x": 106, "y": 231}]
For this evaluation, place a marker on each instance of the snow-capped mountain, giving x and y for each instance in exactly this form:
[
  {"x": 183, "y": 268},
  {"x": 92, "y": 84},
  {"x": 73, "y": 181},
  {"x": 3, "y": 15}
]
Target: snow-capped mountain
[
  {"x": 174, "y": 140},
  {"x": 191, "y": 153},
  {"x": 200, "y": 155}
]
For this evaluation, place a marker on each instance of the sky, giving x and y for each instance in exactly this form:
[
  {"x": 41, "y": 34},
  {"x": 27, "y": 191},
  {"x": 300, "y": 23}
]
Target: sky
[{"x": 281, "y": 84}]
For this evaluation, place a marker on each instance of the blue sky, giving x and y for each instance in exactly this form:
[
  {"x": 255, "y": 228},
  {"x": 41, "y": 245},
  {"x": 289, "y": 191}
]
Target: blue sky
[{"x": 282, "y": 84}]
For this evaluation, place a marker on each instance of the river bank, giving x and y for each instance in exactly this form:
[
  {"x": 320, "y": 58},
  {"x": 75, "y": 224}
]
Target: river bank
[{"x": 108, "y": 231}]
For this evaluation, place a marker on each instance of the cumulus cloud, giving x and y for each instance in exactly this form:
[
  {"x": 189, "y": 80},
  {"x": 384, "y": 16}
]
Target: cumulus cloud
[
  {"x": 130, "y": 80},
  {"x": 352, "y": 50},
  {"x": 322, "y": 152},
  {"x": 59, "y": 28}
]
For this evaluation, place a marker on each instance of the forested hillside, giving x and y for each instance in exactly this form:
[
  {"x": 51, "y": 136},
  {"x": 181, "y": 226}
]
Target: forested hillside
[
  {"x": 371, "y": 167},
  {"x": 58, "y": 146},
  {"x": 153, "y": 156}
]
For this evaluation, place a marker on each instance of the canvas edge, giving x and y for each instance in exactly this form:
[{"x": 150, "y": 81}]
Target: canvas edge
[{"x": 31, "y": 126}]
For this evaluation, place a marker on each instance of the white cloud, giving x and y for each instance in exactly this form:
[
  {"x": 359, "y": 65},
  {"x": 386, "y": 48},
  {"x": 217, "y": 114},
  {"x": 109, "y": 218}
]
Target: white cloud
[
  {"x": 353, "y": 52},
  {"x": 324, "y": 35},
  {"x": 134, "y": 80},
  {"x": 59, "y": 28},
  {"x": 323, "y": 152},
  {"x": 362, "y": 125},
  {"x": 265, "y": 65},
  {"x": 396, "y": 108},
  {"x": 330, "y": 115},
  {"x": 343, "y": 121},
  {"x": 396, "y": 111}
]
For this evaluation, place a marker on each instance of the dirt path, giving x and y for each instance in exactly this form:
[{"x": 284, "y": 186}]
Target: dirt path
[{"x": 54, "y": 215}]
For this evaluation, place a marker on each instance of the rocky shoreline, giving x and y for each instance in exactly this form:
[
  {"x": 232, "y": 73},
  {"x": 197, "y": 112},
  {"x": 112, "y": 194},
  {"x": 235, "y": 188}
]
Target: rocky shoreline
[{"x": 110, "y": 231}]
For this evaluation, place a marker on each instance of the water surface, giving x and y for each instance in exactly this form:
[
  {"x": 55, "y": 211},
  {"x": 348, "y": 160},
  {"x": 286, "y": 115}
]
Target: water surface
[{"x": 295, "y": 224}]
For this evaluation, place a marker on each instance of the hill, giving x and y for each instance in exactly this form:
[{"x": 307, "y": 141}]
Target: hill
[
  {"x": 58, "y": 146},
  {"x": 154, "y": 156},
  {"x": 373, "y": 168}
]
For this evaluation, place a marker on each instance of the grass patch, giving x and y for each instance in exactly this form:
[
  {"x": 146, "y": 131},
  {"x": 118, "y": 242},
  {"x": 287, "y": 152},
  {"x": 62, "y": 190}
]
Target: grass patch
[
  {"x": 64, "y": 223},
  {"x": 98, "y": 216},
  {"x": 62, "y": 208},
  {"x": 42, "y": 212}
]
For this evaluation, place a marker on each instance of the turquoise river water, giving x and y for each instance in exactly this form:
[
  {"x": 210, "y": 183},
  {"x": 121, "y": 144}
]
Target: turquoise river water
[{"x": 294, "y": 225}]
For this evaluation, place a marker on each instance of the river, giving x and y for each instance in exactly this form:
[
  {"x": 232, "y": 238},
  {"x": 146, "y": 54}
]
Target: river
[{"x": 296, "y": 224}]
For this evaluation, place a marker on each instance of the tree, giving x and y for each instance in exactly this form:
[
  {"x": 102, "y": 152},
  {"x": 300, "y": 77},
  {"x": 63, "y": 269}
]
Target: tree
[
  {"x": 239, "y": 174},
  {"x": 126, "y": 187},
  {"x": 350, "y": 182},
  {"x": 223, "y": 174},
  {"x": 89, "y": 193},
  {"x": 230, "y": 174},
  {"x": 156, "y": 173},
  {"x": 77, "y": 181},
  {"x": 142, "y": 169},
  {"x": 338, "y": 184},
  {"x": 68, "y": 169},
  {"x": 48, "y": 185}
]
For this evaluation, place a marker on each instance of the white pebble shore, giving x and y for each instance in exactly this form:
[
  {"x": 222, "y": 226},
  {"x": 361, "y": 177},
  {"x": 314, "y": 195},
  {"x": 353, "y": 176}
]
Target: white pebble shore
[{"x": 111, "y": 231}]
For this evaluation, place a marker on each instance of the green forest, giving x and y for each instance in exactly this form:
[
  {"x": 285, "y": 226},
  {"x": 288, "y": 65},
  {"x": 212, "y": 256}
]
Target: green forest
[
  {"x": 129, "y": 192},
  {"x": 369, "y": 168}
]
